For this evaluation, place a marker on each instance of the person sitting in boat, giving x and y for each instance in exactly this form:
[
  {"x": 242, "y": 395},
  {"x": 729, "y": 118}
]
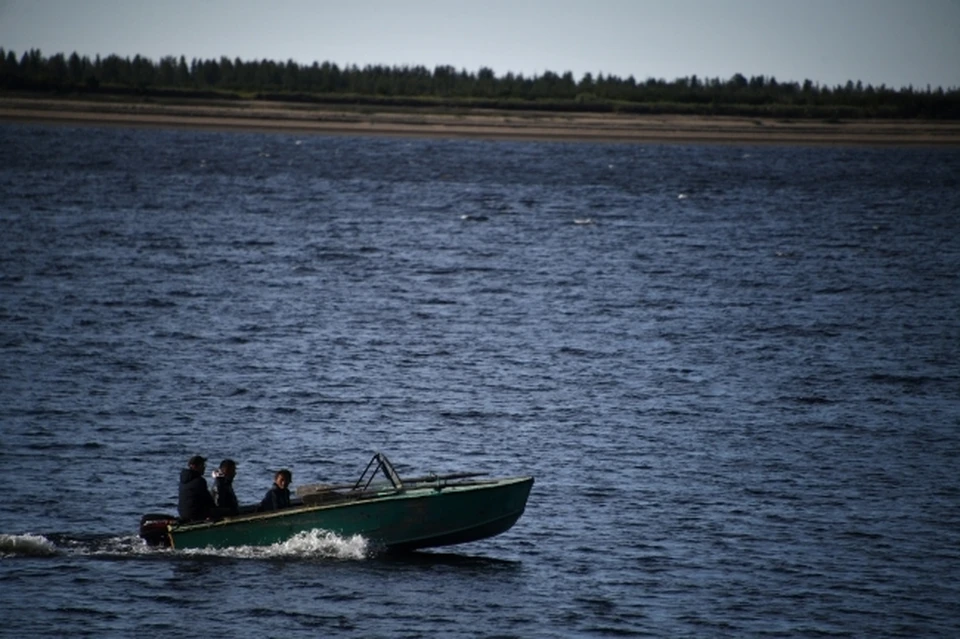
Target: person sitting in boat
[
  {"x": 279, "y": 494},
  {"x": 223, "y": 495},
  {"x": 196, "y": 502}
]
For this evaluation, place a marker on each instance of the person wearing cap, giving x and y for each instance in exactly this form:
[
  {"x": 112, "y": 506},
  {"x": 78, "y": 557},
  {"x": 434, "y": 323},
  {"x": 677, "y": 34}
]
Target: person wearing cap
[
  {"x": 223, "y": 496},
  {"x": 196, "y": 502}
]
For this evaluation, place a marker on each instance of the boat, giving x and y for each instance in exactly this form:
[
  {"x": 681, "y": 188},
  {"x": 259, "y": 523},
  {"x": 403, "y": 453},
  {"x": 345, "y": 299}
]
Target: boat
[{"x": 392, "y": 514}]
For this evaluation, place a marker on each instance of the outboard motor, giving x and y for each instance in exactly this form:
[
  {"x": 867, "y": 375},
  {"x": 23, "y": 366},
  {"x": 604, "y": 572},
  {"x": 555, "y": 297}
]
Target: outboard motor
[{"x": 153, "y": 528}]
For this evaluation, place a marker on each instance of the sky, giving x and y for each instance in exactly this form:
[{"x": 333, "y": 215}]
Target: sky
[{"x": 896, "y": 43}]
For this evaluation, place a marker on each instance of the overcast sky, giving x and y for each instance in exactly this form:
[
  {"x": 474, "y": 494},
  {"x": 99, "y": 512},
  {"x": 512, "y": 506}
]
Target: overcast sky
[{"x": 897, "y": 43}]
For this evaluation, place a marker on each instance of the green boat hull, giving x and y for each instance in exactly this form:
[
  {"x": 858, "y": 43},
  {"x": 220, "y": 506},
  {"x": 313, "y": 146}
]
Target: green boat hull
[{"x": 421, "y": 516}]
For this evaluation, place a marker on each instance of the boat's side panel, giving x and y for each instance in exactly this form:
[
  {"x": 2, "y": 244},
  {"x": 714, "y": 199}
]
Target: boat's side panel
[
  {"x": 462, "y": 536},
  {"x": 417, "y": 518},
  {"x": 454, "y": 517}
]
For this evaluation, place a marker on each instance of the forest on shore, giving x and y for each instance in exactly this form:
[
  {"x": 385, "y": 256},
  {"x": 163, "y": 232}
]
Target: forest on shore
[{"x": 446, "y": 87}]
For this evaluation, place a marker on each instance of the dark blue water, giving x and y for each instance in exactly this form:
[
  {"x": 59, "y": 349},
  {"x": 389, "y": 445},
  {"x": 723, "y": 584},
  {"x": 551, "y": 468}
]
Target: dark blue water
[{"x": 733, "y": 371}]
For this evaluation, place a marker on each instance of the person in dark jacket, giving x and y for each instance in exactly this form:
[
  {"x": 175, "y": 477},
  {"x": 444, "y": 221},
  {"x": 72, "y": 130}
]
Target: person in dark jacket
[
  {"x": 196, "y": 502},
  {"x": 279, "y": 494},
  {"x": 223, "y": 495}
]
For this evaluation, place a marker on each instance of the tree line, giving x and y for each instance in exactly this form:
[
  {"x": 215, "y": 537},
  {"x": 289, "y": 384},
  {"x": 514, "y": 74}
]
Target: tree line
[{"x": 445, "y": 86}]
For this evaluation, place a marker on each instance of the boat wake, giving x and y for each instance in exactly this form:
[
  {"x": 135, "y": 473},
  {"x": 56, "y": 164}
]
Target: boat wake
[
  {"x": 327, "y": 544},
  {"x": 26, "y": 546},
  {"x": 58, "y": 544},
  {"x": 311, "y": 544}
]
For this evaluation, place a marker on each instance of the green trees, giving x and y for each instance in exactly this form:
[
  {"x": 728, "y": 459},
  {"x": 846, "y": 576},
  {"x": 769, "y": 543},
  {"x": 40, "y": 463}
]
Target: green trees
[{"x": 447, "y": 86}]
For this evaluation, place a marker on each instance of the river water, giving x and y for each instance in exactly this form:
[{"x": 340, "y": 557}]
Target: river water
[{"x": 733, "y": 371}]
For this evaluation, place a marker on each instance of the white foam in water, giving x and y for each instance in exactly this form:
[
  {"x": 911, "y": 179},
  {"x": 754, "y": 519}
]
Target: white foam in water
[
  {"x": 325, "y": 544},
  {"x": 125, "y": 545},
  {"x": 26, "y": 545},
  {"x": 307, "y": 544}
]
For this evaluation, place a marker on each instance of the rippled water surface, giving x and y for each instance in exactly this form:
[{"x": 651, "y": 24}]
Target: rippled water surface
[{"x": 733, "y": 372}]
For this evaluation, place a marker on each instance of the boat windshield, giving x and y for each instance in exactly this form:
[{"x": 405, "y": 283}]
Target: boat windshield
[{"x": 380, "y": 463}]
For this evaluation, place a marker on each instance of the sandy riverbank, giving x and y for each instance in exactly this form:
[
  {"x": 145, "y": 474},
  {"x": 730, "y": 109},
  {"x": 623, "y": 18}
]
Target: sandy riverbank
[{"x": 518, "y": 125}]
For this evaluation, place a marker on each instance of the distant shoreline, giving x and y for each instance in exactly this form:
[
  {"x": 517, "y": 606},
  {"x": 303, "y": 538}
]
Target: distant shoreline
[{"x": 479, "y": 123}]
